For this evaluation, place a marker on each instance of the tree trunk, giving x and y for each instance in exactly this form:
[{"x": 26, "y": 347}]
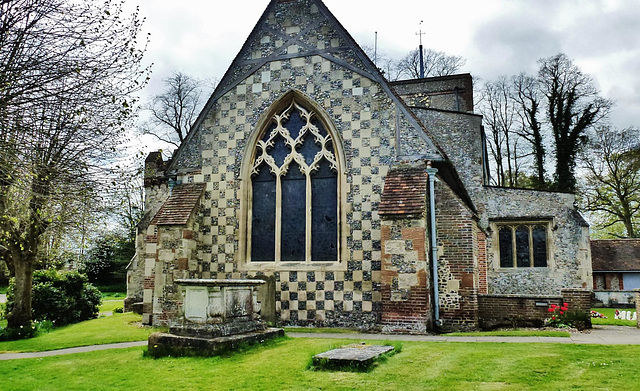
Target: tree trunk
[
  {"x": 565, "y": 178},
  {"x": 20, "y": 314}
]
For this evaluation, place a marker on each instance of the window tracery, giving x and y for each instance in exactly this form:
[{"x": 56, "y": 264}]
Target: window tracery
[{"x": 294, "y": 203}]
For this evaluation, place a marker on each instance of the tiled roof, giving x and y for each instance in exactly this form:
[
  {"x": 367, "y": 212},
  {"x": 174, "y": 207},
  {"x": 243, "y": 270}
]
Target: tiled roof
[
  {"x": 405, "y": 192},
  {"x": 178, "y": 207},
  {"x": 615, "y": 255}
]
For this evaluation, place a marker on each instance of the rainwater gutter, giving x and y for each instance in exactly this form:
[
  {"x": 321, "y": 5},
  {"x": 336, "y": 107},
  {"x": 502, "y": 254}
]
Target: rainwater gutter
[{"x": 431, "y": 172}]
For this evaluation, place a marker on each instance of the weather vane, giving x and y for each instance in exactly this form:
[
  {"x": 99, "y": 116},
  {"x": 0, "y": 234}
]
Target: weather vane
[{"x": 420, "y": 34}]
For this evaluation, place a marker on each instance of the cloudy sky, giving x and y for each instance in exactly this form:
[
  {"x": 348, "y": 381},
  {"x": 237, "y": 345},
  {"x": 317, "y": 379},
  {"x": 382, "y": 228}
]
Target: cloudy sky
[{"x": 496, "y": 37}]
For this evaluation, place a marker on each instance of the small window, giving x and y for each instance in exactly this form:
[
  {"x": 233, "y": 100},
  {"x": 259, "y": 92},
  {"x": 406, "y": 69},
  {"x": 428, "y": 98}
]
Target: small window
[{"x": 523, "y": 245}]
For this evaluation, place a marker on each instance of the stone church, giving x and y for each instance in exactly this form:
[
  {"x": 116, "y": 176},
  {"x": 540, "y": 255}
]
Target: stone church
[{"x": 362, "y": 202}]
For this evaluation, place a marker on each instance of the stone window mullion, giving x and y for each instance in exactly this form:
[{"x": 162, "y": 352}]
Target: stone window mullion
[
  {"x": 278, "y": 233},
  {"x": 308, "y": 219},
  {"x": 530, "y": 229},
  {"x": 514, "y": 251}
]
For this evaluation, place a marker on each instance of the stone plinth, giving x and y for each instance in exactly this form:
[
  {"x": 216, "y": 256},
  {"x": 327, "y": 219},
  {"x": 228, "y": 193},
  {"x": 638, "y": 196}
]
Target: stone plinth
[
  {"x": 215, "y": 316},
  {"x": 163, "y": 344}
]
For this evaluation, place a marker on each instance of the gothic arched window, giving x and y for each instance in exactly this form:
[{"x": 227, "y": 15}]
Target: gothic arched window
[{"x": 294, "y": 191}]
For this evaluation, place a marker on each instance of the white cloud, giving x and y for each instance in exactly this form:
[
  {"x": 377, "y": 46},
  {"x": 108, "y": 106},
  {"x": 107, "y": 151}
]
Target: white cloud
[{"x": 495, "y": 36}]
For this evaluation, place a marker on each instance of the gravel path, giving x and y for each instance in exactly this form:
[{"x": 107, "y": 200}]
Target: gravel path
[{"x": 599, "y": 335}]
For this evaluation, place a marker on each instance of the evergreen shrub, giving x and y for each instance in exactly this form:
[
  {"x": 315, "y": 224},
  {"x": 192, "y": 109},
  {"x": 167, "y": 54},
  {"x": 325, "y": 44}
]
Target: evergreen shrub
[{"x": 61, "y": 297}]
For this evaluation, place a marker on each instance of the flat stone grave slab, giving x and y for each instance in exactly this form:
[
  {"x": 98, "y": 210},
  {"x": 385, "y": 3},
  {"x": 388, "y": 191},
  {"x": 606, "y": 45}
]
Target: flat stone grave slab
[{"x": 355, "y": 355}]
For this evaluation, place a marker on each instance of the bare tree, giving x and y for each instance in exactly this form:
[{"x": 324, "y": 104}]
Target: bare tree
[
  {"x": 67, "y": 72},
  {"x": 500, "y": 116},
  {"x": 573, "y": 107},
  {"x": 528, "y": 99},
  {"x": 174, "y": 111},
  {"x": 435, "y": 64},
  {"x": 612, "y": 184},
  {"x": 387, "y": 65}
]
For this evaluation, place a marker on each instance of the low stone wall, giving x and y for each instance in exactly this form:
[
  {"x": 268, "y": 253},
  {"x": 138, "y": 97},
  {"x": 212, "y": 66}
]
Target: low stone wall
[
  {"x": 637, "y": 294},
  {"x": 614, "y": 299},
  {"x": 528, "y": 311}
]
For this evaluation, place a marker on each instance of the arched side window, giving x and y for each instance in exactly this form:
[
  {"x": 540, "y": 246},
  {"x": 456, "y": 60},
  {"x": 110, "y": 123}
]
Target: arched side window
[{"x": 294, "y": 192}]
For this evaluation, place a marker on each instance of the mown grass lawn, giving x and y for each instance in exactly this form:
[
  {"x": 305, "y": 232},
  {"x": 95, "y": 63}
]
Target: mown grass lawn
[
  {"x": 113, "y": 296},
  {"x": 282, "y": 366},
  {"x": 512, "y": 333},
  {"x": 610, "y": 314},
  {"x": 320, "y": 330},
  {"x": 110, "y": 329},
  {"x": 110, "y": 305}
]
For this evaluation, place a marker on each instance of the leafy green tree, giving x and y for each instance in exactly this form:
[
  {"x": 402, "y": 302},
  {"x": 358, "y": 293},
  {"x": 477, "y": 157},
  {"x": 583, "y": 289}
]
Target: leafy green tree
[
  {"x": 612, "y": 183},
  {"x": 557, "y": 109},
  {"x": 107, "y": 259},
  {"x": 61, "y": 297}
]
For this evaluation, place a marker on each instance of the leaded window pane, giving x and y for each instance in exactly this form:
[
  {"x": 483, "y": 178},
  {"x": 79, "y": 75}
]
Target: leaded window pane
[
  {"x": 506, "y": 247},
  {"x": 539, "y": 246},
  {"x": 324, "y": 213},
  {"x": 522, "y": 246},
  {"x": 294, "y": 186},
  {"x": 263, "y": 219},
  {"x": 279, "y": 151},
  {"x": 294, "y": 124}
]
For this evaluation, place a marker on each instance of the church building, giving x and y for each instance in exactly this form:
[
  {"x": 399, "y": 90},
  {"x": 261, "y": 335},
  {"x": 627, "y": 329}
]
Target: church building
[{"x": 362, "y": 202}]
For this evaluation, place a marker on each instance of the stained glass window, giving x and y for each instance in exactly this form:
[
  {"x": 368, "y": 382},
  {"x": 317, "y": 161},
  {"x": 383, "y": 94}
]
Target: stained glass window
[
  {"x": 506, "y": 247},
  {"x": 522, "y": 245},
  {"x": 295, "y": 191}
]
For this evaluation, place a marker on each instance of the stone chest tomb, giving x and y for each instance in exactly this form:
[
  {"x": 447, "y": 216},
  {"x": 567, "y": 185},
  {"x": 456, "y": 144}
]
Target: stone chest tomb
[{"x": 216, "y": 316}]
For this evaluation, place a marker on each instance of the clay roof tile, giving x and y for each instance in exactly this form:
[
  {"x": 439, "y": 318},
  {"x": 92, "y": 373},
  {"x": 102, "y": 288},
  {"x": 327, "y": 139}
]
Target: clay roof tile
[
  {"x": 405, "y": 192},
  {"x": 615, "y": 255},
  {"x": 178, "y": 207}
]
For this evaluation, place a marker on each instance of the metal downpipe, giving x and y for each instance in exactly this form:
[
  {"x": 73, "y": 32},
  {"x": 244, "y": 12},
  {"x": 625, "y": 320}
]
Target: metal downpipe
[{"x": 431, "y": 172}]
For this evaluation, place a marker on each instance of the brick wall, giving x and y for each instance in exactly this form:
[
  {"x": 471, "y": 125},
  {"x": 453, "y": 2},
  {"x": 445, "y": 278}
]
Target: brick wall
[
  {"x": 483, "y": 288},
  {"x": 529, "y": 311},
  {"x": 457, "y": 258},
  {"x": 578, "y": 299}
]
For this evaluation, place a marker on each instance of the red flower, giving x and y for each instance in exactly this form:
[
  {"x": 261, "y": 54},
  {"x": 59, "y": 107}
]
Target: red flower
[
  {"x": 561, "y": 312},
  {"x": 565, "y": 304},
  {"x": 550, "y": 309},
  {"x": 564, "y": 308}
]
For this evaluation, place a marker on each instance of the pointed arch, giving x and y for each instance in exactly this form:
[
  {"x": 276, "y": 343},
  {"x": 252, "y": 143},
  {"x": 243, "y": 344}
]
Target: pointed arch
[{"x": 293, "y": 189}]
